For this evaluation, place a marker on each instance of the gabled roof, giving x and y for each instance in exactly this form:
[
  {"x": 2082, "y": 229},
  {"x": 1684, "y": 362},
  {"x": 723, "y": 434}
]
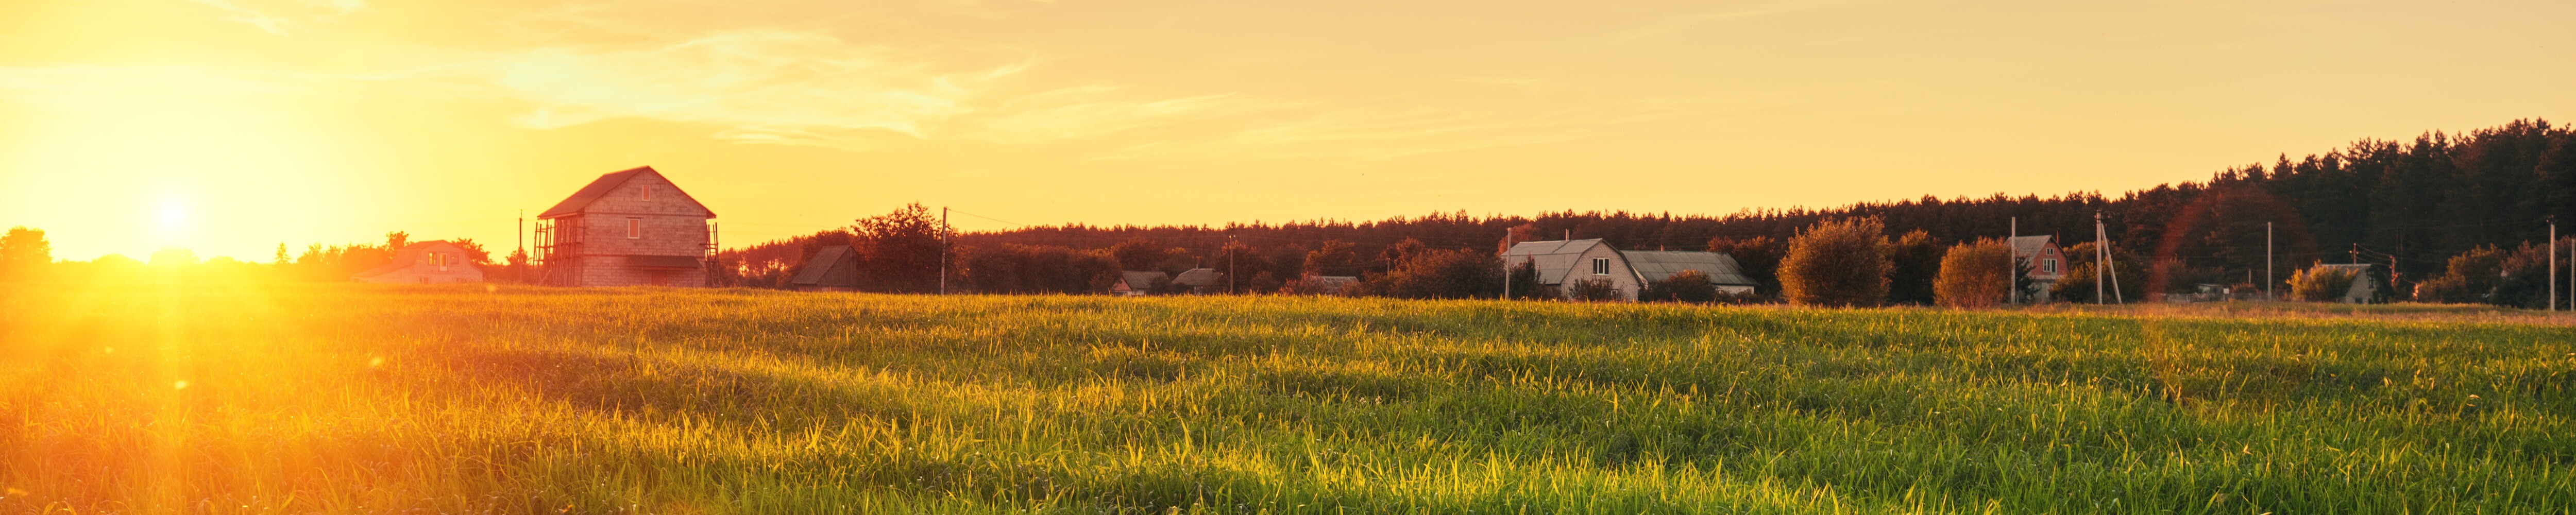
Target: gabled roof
[
  {"x": 822, "y": 264},
  {"x": 1553, "y": 259},
  {"x": 409, "y": 256},
  {"x": 1657, "y": 265},
  {"x": 1200, "y": 277},
  {"x": 608, "y": 183},
  {"x": 1140, "y": 280},
  {"x": 2031, "y": 245}
]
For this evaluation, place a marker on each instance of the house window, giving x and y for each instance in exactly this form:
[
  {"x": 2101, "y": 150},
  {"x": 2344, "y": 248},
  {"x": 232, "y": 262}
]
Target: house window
[
  {"x": 1600, "y": 266},
  {"x": 440, "y": 260},
  {"x": 634, "y": 228},
  {"x": 648, "y": 193},
  {"x": 2048, "y": 266}
]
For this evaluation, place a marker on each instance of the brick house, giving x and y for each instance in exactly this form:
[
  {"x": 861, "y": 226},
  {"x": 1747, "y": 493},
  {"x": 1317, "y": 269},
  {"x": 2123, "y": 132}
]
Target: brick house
[{"x": 629, "y": 228}]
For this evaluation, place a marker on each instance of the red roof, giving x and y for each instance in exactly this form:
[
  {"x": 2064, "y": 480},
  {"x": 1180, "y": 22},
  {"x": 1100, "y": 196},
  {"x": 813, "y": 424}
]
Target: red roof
[{"x": 606, "y": 183}]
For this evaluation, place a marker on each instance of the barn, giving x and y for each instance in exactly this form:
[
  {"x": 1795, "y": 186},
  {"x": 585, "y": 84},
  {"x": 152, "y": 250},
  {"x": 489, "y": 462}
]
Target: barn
[
  {"x": 628, "y": 228},
  {"x": 428, "y": 262}
]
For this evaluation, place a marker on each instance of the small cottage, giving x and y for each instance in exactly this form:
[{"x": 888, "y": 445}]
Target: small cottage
[
  {"x": 1201, "y": 281},
  {"x": 1134, "y": 284},
  {"x": 2365, "y": 284},
  {"x": 428, "y": 262},
  {"x": 2045, "y": 262},
  {"x": 835, "y": 268}
]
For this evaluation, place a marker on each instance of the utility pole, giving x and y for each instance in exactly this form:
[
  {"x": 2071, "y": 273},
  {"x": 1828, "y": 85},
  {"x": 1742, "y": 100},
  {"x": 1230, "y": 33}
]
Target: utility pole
[
  {"x": 1230, "y": 249},
  {"x": 1507, "y": 264},
  {"x": 2267, "y": 262},
  {"x": 2014, "y": 273},
  {"x": 943, "y": 250},
  {"x": 2101, "y": 260},
  {"x": 2553, "y": 264}
]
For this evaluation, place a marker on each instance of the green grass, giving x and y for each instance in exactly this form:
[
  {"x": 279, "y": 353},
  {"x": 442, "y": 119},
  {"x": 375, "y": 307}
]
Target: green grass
[{"x": 350, "y": 399}]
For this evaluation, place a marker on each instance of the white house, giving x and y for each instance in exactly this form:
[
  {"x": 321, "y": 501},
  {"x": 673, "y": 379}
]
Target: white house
[
  {"x": 1563, "y": 262},
  {"x": 428, "y": 262},
  {"x": 2365, "y": 285}
]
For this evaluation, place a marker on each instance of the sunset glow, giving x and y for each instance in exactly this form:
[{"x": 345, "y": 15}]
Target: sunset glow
[{"x": 232, "y": 126}]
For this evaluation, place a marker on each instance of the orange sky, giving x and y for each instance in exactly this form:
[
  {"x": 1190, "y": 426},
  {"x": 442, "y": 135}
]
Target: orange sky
[{"x": 229, "y": 126}]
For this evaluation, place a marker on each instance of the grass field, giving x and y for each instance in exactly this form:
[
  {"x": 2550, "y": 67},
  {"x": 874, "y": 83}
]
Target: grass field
[{"x": 217, "y": 398}]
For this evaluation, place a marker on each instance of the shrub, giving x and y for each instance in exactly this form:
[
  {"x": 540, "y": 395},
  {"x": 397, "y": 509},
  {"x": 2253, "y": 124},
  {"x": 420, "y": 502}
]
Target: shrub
[
  {"x": 1441, "y": 274},
  {"x": 1595, "y": 289},
  {"x": 1837, "y": 263},
  {"x": 1914, "y": 265},
  {"x": 1687, "y": 286},
  {"x": 1975, "y": 275},
  {"x": 2320, "y": 284}
]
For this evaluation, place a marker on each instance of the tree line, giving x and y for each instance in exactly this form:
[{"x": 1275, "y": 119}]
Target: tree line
[{"x": 2409, "y": 207}]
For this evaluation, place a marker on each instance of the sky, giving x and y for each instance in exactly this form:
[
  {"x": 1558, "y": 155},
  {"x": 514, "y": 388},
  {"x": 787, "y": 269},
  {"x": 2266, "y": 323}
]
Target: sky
[{"x": 233, "y": 126}]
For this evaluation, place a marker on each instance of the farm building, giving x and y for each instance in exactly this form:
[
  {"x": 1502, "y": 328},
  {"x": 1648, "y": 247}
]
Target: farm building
[
  {"x": 2046, "y": 263},
  {"x": 1561, "y": 262},
  {"x": 1131, "y": 284},
  {"x": 835, "y": 268},
  {"x": 1658, "y": 265},
  {"x": 1201, "y": 281},
  {"x": 428, "y": 262},
  {"x": 629, "y": 228},
  {"x": 2365, "y": 285}
]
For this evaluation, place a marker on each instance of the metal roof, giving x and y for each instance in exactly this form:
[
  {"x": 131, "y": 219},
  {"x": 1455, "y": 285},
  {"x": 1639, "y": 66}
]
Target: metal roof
[
  {"x": 2030, "y": 245},
  {"x": 1553, "y": 259},
  {"x": 820, "y": 268},
  {"x": 607, "y": 183},
  {"x": 1657, "y": 265}
]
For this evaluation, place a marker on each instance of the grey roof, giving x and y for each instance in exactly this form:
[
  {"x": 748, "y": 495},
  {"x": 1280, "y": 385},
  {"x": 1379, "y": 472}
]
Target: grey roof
[
  {"x": 1200, "y": 277},
  {"x": 1657, "y": 265},
  {"x": 2031, "y": 245},
  {"x": 1553, "y": 258},
  {"x": 834, "y": 266},
  {"x": 607, "y": 183}
]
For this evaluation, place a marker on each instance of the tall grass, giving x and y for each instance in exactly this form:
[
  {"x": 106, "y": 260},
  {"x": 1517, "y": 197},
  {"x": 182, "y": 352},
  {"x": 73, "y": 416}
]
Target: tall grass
[{"x": 358, "y": 399}]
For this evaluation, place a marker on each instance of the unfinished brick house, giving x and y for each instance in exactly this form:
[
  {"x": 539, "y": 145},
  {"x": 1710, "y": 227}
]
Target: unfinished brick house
[{"x": 630, "y": 228}]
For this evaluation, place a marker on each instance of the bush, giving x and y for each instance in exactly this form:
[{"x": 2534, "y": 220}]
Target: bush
[
  {"x": 1914, "y": 265},
  {"x": 1595, "y": 289},
  {"x": 2468, "y": 277},
  {"x": 2078, "y": 284},
  {"x": 1687, "y": 286},
  {"x": 1441, "y": 274},
  {"x": 1839, "y": 262},
  {"x": 2321, "y": 284},
  {"x": 1975, "y": 275}
]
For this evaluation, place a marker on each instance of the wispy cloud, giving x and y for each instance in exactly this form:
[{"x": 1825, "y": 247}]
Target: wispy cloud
[
  {"x": 1678, "y": 23},
  {"x": 261, "y": 13},
  {"x": 797, "y": 87}
]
